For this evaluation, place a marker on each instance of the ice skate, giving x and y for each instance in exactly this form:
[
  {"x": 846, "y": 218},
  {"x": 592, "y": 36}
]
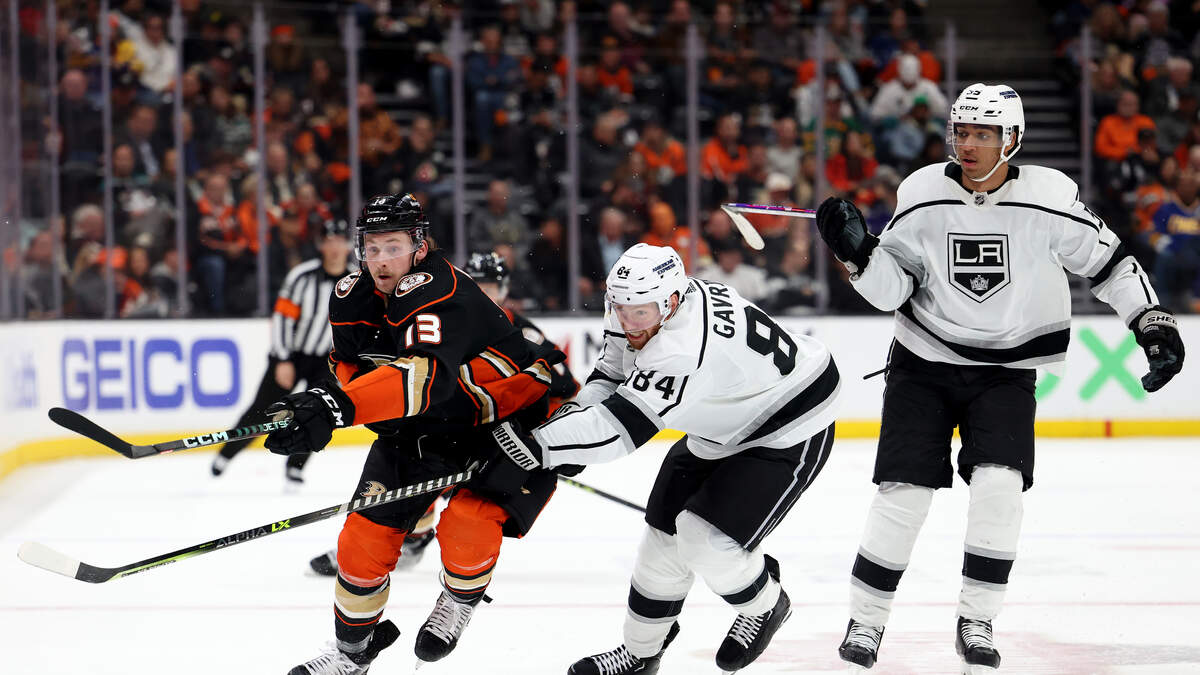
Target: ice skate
[
  {"x": 334, "y": 661},
  {"x": 974, "y": 645},
  {"x": 749, "y": 636},
  {"x": 218, "y": 464},
  {"x": 326, "y": 564},
  {"x": 620, "y": 662},
  {"x": 440, "y": 633},
  {"x": 860, "y": 647},
  {"x": 413, "y": 550}
]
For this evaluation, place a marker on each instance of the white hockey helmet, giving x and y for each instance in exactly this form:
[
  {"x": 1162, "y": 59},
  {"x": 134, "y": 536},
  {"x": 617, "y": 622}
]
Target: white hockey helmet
[
  {"x": 647, "y": 274},
  {"x": 991, "y": 104}
]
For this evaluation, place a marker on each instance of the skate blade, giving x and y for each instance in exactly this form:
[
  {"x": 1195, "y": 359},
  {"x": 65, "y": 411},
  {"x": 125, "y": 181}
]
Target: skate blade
[
  {"x": 977, "y": 669},
  {"x": 855, "y": 668}
]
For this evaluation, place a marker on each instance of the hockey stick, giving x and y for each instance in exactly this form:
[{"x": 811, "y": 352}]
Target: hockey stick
[
  {"x": 601, "y": 493},
  {"x": 47, "y": 558},
  {"x": 69, "y": 419},
  {"x": 751, "y": 235}
]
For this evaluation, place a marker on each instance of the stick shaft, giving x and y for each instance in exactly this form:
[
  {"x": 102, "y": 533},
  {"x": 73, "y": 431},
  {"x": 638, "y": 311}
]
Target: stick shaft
[
  {"x": 601, "y": 493},
  {"x": 96, "y": 575},
  {"x": 789, "y": 211},
  {"x": 69, "y": 419}
]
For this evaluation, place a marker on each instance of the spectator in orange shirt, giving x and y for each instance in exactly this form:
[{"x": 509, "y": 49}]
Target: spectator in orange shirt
[
  {"x": 931, "y": 68},
  {"x": 611, "y": 74},
  {"x": 849, "y": 168},
  {"x": 663, "y": 232},
  {"x": 1117, "y": 134},
  {"x": 723, "y": 157},
  {"x": 665, "y": 156}
]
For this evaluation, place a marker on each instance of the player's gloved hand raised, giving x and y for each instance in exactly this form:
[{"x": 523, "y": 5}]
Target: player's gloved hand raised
[
  {"x": 1157, "y": 333},
  {"x": 845, "y": 232},
  {"x": 315, "y": 414}
]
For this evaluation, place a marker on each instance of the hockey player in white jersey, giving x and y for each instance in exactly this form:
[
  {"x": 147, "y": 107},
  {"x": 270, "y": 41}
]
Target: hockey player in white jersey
[
  {"x": 757, "y": 405},
  {"x": 973, "y": 262}
]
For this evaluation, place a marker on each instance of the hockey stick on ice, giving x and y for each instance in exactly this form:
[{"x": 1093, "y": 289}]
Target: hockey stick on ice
[
  {"x": 81, "y": 425},
  {"x": 751, "y": 235},
  {"x": 601, "y": 493},
  {"x": 47, "y": 558}
]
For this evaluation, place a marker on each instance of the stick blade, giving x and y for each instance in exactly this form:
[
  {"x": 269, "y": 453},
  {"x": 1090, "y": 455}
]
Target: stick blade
[
  {"x": 753, "y": 239},
  {"x": 69, "y": 419},
  {"x": 40, "y": 555}
]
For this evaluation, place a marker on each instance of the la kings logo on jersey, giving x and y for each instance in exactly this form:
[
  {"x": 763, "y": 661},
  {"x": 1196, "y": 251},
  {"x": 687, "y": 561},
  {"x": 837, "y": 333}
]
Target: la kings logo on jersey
[{"x": 978, "y": 264}]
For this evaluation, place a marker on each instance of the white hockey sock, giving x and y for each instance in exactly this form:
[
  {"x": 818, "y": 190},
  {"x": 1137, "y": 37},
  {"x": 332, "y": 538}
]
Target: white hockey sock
[
  {"x": 661, "y": 581},
  {"x": 895, "y": 519},
  {"x": 737, "y": 575},
  {"x": 993, "y": 525}
]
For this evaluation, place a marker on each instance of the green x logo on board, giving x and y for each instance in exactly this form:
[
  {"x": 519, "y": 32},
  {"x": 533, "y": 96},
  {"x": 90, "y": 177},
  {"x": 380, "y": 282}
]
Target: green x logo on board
[{"x": 1111, "y": 366}]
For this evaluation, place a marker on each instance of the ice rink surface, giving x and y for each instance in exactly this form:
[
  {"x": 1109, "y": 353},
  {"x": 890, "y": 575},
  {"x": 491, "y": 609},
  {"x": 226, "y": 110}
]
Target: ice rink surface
[{"x": 1105, "y": 581}]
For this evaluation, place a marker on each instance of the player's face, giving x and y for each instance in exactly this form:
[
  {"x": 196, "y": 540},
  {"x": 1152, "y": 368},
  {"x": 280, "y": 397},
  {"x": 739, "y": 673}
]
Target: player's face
[
  {"x": 640, "y": 322},
  {"x": 977, "y": 147},
  {"x": 388, "y": 256},
  {"x": 335, "y": 249}
]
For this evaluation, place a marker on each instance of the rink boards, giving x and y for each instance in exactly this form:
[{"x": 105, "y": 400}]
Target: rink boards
[{"x": 154, "y": 380}]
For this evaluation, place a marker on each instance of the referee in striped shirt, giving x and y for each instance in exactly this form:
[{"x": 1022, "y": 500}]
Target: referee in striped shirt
[{"x": 300, "y": 338}]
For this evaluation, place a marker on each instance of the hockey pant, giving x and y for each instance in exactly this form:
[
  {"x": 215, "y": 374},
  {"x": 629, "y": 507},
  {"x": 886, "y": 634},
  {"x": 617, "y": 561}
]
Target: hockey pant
[
  {"x": 469, "y": 535},
  {"x": 895, "y": 519},
  {"x": 666, "y": 567}
]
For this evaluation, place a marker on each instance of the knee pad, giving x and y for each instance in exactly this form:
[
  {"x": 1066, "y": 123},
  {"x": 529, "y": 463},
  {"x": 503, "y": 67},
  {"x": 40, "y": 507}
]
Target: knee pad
[
  {"x": 469, "y": 534},
  {"x": 894, "y": 521},
  {"x": 994, "y": 516},
  {"x": 702, "y": 545},
  {"x": 367, "y": 552}
]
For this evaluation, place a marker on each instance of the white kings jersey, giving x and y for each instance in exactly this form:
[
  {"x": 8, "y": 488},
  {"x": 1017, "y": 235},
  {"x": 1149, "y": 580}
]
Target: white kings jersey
[
  {"x": 720, "y": 370},
  {"x": 978, "y": 278}
]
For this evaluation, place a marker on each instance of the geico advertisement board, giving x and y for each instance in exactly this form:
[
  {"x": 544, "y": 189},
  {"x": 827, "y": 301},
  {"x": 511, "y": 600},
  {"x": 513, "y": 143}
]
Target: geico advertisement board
[
  {"x": 130, "y": 376},
  {"x": 134, "y": 376}
]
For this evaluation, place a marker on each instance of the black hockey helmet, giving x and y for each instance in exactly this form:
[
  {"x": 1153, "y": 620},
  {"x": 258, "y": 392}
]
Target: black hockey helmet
[
  {"x": 335, "y": 227},
  {"x": 392, "y": 213},
  {"x": 489, "y": 267}
]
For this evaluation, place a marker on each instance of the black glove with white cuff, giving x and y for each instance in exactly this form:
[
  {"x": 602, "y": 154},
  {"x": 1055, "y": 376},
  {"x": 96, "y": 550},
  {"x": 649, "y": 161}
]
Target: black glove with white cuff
[
  {"x": 845, "y": 232},
  {"x": 1157, "y": 333}
]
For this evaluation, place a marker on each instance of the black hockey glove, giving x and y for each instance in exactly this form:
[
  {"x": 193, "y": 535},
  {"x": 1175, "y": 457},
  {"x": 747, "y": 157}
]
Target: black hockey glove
[
  {"x": 1157, "y": 332},
  {"x": 518, "y": 455},
  {"x": 315, "y": 414},
  {"x": 845, "y": 232}
]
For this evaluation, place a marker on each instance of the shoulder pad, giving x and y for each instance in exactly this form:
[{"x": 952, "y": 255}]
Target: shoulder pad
[
  {"x": 1050, "y": 187},
  {"x": 346, "y": 284},
  {"x": 433, "y": 281},
  {"x": 410, "y": 282}
]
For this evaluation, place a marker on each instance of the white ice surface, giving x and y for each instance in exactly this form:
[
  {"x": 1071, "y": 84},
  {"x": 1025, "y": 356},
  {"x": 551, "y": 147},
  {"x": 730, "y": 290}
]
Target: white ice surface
[{"x": 1105, "y": 580}]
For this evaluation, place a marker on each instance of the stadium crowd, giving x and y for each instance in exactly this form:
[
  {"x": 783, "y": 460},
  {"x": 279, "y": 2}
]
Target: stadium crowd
[
  {"x": 883, "y": 100},
  {"x": 1146, "y": 143}
]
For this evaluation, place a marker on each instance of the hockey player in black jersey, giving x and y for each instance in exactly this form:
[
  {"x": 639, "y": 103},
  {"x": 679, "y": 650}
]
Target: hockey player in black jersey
[
  {"x": 300, "y": 339},
  {"x": 757, "y": 403},
  {"x": 430, "y": 364},
  {"x": 491, "y": 274},
  {"x": 973, "y": 263}
]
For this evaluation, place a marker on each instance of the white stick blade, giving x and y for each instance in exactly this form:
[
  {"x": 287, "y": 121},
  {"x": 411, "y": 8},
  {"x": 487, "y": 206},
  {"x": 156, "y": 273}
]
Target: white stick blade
[
  {"x": 47, "y": 558},
  {"x": 753, "y": 239}
]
